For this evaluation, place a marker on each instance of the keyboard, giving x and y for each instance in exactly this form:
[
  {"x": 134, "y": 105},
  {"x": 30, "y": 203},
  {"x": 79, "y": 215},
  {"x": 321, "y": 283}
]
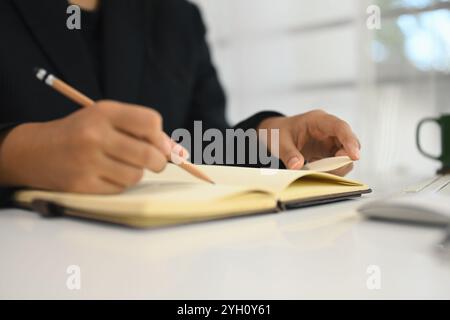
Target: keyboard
[{"x": 439, "y": 184}]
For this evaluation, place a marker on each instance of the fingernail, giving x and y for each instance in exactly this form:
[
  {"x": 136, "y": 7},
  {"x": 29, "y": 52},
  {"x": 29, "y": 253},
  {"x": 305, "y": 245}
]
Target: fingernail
[
  {"x": 184, "y": 153},
  {"x": 294, "y": 163},
  {"x": 181, "y": 151},
  {"x": 176, "y": 159}
]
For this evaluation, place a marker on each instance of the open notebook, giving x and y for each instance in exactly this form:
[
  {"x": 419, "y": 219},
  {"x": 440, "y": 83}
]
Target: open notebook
[{"x": 174, "y": 196}]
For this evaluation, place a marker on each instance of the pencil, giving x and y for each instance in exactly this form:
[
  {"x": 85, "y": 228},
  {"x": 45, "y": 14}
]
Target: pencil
[{"x": 79, "y": 98}]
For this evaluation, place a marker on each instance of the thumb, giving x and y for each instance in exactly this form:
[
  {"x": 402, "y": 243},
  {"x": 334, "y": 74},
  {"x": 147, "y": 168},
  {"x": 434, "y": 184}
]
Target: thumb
[{"x": 290, "y": 155}]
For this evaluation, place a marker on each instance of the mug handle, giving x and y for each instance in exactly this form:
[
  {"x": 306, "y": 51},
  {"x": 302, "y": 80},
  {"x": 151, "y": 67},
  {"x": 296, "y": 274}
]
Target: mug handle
[{"x": 421, "y": 123}]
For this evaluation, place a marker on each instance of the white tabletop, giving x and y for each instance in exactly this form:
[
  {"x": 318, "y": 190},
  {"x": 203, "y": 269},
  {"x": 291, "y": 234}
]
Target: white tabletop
[{"x": 319, "y": 252}]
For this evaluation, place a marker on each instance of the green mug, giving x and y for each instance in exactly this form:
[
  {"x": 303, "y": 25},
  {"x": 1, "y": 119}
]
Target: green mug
[{"x": 444, "y": 124}]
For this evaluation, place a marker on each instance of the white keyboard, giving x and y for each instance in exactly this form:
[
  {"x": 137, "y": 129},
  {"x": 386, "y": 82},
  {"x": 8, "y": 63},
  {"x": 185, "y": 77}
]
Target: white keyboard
[{"x": 439, "y": 184}]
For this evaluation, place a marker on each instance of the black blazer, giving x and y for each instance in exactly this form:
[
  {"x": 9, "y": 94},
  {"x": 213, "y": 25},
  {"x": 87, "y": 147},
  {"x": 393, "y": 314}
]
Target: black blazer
[{"x": 154, "y": 53}]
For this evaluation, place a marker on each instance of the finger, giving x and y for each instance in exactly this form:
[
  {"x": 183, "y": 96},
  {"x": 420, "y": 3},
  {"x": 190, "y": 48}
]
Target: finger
[
  {"x": 328, "y": 125},
  {"x": 341, "y": 153},
  {"x": 133, "y": 151},
  {"x": 156, "y": 160},
  {"x": 141, "y": 122},
  {"x": 120, "y": 173},
  {"x": 289, "y": 154},
  {"x": 347, "y": 138},
  {"x": 136, "y": 153}
]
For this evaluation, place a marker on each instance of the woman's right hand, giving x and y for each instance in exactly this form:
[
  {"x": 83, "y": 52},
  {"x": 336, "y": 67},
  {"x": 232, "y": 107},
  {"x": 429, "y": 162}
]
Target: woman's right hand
[{"x": 101, "y": 149}]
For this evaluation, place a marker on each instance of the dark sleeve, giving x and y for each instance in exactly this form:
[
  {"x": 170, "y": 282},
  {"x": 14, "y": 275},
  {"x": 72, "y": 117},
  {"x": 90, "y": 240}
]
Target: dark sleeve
[
  {"x": 6, "y": 196},
  {"x": 5, "y": 126},
  {"x": 6, "y": 193},
  {"x": 208, "y": 102}
]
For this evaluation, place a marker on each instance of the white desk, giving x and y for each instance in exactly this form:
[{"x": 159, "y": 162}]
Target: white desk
[{"x": 320, "y": 252}]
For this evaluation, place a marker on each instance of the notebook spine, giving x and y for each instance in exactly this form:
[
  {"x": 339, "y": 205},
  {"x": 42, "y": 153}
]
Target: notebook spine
[
  {"x": 47, "y": 209},
  {"x": 281, "y": 206}
]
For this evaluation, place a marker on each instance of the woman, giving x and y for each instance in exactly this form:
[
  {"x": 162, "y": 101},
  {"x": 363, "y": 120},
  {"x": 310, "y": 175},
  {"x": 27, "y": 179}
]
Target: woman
[{"x": 129, "y": 56}]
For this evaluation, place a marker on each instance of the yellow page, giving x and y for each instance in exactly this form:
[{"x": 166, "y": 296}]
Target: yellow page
[
  {"x": 328, "y": 164},
  {"x": 272, "y": 181}
]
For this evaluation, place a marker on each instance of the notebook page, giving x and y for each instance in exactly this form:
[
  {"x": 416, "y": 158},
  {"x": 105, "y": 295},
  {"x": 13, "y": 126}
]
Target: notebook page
[
  {"x": 273, "y": 181},
  {"x": 328, "y": 164}
]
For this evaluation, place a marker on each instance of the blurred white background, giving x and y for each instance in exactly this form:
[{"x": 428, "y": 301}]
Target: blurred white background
[{"x": 296, "y": 55}]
